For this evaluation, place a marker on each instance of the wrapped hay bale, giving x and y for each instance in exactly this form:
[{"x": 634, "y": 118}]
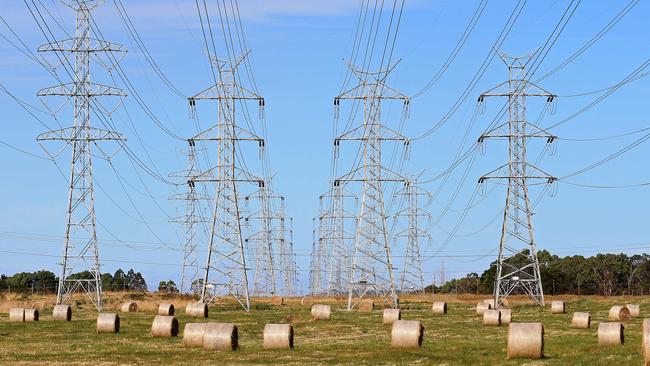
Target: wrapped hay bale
[
  {"x": 439, "y": 307},
  {"x": 366, "y": 305},
  {"x": 62, "y": 312},
  {"x": 581, "y": 320},
  {"x": 278, "y": 336},
  {"x": 129, "y": 307},
  {"x": 610, "y": 334},
  {"x": 220, "y": 337},
  {"x": 166, "y": 309},
  {"x": 635, "y": 310},
  {"x": 321, "y": 312},
  {"x": 526, "y": 340},
  {"x": 407, "y": 334},
  {"x": 391, "y": 315},
  {"x": 492, "y": 318},
  {"x": 277, "y": 300},
  {"x": 506, "y": 316},
  {"x": 618, "y": 312},
  {"x": 645, "y": 342},
  {"x": 197, "y": 310},
  {"x": 31, "y": 315},
  {"x": 193, "y": 334},
  {"x": 481, "y": 307},
  {"x": 557, "y": 307},
  {"x": 164, "y": 326},
  {"x": 17, "y": 315},
  {"x": 108, "y": 323}
]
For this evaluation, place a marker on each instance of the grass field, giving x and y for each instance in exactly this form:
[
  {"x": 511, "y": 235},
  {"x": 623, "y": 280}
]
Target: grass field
[{"x": 458, "y": 338}]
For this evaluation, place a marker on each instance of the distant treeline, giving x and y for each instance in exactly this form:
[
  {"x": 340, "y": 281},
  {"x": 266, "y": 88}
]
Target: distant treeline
[
  {"x": 46, "y": 281},
  {"x": 601, "y": 274}
]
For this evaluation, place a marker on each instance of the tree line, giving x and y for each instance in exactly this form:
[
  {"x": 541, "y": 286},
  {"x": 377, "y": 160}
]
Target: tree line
[
  {"x": 601, "y": 274},
  {"x": 46, "y": 282}
]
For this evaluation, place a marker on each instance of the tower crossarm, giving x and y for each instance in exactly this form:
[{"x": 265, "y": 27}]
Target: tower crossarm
[
  {"x": 82, "y": 89},
  {"x": 89, "y": 45},
  {"x": 80, "y": 134}
]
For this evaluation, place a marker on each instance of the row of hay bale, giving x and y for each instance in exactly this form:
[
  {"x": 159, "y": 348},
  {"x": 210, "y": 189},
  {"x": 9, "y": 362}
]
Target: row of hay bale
[
  {"x": 617, "y": 312},
  {"x": 19, "y": 315}
]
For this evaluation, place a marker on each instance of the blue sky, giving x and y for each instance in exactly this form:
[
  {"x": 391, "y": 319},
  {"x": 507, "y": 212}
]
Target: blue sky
[{"x": 299, "y": 53}]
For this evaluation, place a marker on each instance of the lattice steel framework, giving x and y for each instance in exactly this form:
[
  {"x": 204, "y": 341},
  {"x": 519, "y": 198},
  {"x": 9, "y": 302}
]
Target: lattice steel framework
[
  {"x": 191, "y": 220},
  {"x": 225, "y": 269},
  {"x": 81, "y": 251},
  {"x": 263, "y": 234},
  {"x": 371, "y": 272},
  {"x": 411, "y": 276},
  {"x": 334, "y": 242},
  {"x": 517, "y": 264}
]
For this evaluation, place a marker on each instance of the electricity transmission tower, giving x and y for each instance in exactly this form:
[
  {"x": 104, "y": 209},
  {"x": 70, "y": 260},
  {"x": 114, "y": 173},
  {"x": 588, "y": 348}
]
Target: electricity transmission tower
[
  {"x": 225, "y": 269},
  {"x": 517, "y": 264},
  {"x": 81, "y": 252},
  {"x": 336, "y": 224},
  {"x": 371, "y": 272},
  {"x": 411, "y": 277},
  {"x": 264, "y": 276},
  {"x": 190, "y": 220}
]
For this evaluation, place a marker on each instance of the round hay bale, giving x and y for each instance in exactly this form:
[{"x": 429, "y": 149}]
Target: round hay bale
[
  {"x": 62, "y": 312},
  {"x": 557, "y": 307},
  {"x": 220, "y": 337},
  {"x": 321, "y": 312},
  {"x": 581, "y": 320},
  {"x": 193, "y": 334},
  {"x": 166, "y": 309},
  {"x": 407, "y": 334},
  {"x": 610, "y": 334},
  {"x": 491, "y": 302},
  {"x": 278, "y": 336},
  {"x": 305, "y": 301},
  {"x": 635, "y": 310},
  {"x": 506, "y": 316},
  {"x": 130, "y": 307},
  {"x": 526, "y": 340},
  {"x": 439, "y": 307},
  {"x": 492, "y": 317},
  {"x": 481, "y": 307},
  {"x": 277, "y": 300},
  {"x": 618, "y": 312},
  {"x": 164, "y": 326},
  {"x": 108, "y": 323},
  {"x": 31, "y": 315},
  {"x": 17, "y": 315},
  {"x": 391, "y": 315},
  {"x": 645, "y": 342},
  {"x": 197, "y": 310}
]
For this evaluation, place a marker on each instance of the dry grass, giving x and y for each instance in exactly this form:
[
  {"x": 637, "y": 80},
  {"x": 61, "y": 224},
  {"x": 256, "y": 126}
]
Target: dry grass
[{"x": 349, "y": 338}]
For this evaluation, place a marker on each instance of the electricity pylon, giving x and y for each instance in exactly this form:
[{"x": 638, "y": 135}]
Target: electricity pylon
[
  {"x": 336, "y": 224},
  {"x": 225, "y": 269},
  {"x": 517, "y": 264},
  {"x": 190, "y": 220},
  {"x": 411, "y": 276},
  {"x": 371, "y": 272},
  {"x": 262, "y": 236},
  {"x": 81, "y": 252}
]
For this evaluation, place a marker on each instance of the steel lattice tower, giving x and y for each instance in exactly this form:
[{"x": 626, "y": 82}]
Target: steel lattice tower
[
  {"x": 517, "y": 264},
  {"x": 371, "y": 273},
  {"x": 190, "y": 220},
  {"x": 411, "y": 276},
  {"x": 335, "y": 240},
  {"x": 81, "y": 252},
  {"x": 225, "y": 269},
  {"x": 264, "y": 275}
]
